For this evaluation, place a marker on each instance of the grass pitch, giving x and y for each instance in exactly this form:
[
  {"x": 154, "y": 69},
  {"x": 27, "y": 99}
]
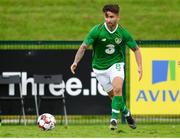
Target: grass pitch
[
  {"x": 92, "y": 131},
  {"x": 72, "y": 19}
]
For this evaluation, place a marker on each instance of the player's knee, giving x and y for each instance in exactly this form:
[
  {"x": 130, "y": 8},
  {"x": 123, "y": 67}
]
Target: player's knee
[{"x": 117, "y": 90}]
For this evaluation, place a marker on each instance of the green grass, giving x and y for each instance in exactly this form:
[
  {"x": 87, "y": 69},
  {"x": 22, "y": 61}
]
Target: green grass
[
  {"x": 91, "y": 131},
  {"x": 72, "y": 19}
]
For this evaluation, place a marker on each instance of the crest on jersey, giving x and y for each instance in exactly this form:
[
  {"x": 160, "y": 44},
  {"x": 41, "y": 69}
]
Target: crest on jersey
[{"x": 118, "y": 40}]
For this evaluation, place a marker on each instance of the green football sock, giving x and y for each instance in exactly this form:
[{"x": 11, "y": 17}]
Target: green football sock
[
  {"x": 123, "y": 106},
  {"x": 117, "y": 105}
]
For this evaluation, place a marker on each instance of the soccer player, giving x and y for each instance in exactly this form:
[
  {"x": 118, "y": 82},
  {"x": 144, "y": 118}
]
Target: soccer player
[{"x": 108, "y": 40}]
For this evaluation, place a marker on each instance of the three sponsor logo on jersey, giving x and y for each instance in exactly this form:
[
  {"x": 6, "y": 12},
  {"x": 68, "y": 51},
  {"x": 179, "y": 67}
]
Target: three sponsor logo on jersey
[{"x": 110, "y": 48}]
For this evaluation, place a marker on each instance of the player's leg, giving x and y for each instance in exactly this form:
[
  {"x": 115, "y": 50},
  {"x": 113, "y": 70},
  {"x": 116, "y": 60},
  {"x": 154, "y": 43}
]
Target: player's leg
[
  {"x": 117, "y": 78},
  {"x": 116, "y": 101},
  {"x": 116, "y": 74}
]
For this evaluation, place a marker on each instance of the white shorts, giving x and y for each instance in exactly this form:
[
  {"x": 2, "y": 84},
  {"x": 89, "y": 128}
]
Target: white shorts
[{"x": 105, "y": 77}]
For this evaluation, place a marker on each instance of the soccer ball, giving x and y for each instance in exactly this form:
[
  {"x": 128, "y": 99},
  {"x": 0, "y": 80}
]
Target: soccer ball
[{"x": 46, "y": 121}]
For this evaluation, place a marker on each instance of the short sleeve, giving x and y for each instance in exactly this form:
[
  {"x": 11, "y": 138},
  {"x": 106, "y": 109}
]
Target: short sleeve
[
  {"x": 129, "y": 41},
  {"x": 91, "y": 36}
]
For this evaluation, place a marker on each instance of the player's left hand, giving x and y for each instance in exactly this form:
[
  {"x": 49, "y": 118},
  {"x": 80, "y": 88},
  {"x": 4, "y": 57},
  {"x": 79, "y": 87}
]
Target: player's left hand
[{"x": 140, "y": 71}]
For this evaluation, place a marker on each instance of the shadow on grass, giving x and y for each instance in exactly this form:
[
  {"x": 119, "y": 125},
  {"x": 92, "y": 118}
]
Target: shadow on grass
[{"x": 120, "y": 131}]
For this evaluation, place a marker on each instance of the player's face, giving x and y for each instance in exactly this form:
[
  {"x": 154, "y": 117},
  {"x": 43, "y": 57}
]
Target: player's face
[{"x": 111, "y": 19}]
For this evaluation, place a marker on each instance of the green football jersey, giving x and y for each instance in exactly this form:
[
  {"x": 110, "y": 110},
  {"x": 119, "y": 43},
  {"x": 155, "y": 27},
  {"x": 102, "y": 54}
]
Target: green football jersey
[{"x": 107, "y": 45}]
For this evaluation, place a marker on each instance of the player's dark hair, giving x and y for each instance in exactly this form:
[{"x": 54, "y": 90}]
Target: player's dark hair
[{"x": 114, "y": 8}]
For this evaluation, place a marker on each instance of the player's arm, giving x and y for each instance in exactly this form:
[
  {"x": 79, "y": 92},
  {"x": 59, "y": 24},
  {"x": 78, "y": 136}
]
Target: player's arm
[
  {"x": 79, "y": 55},
  {"x": 138, "y": 57}
]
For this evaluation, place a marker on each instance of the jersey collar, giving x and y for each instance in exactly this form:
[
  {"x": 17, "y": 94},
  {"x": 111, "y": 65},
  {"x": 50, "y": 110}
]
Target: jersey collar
[{"x": 109, "y": 30}]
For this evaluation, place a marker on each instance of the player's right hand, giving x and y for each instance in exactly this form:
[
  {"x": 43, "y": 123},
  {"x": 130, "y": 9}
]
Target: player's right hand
[{"x": 73, "y": 67}]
